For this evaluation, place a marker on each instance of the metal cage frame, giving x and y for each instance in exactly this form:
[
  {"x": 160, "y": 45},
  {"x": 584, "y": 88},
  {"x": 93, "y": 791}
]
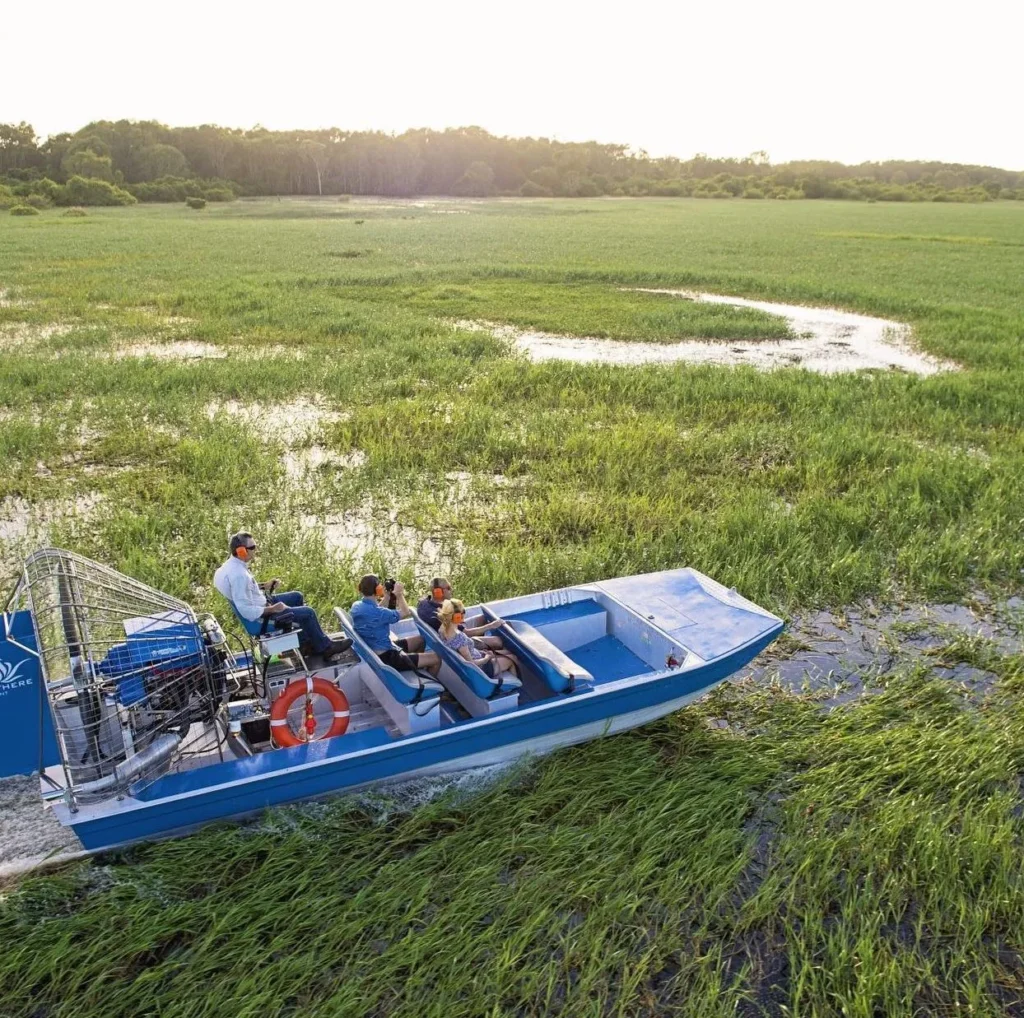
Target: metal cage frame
[{"x": 130, "y": 673}]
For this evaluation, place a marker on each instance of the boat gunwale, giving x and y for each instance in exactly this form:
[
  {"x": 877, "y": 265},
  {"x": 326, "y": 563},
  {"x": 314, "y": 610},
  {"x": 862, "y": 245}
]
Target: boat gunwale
[{"x": 98, "y": 812}]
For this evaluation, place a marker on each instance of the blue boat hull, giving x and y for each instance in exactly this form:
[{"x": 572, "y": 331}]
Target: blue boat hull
[{"x": 177, "y": 803}]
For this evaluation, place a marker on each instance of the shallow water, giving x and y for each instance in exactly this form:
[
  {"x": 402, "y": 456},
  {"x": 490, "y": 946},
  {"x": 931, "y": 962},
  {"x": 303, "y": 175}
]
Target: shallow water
[
  {"x": 27, "y": 333},
  {"x": 25, "y": 525},
  {"x": 179, "y": 350},
  {"x": 28, "y": 832},
  {"x": 292, "y": 422},
  {"x": 298, "y": 463},
  {"x": 842, "y": 655},
  {"x": 359, "y": 533},
  {"x": 824, "y": 340}
]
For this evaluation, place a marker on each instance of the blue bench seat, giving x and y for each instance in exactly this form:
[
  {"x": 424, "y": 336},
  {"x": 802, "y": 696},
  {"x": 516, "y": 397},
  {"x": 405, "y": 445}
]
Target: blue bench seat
[
  {"x": 554, "y": 666},
  {"x": 402, "y": 689},
  {"x": 475, "y": 678}
]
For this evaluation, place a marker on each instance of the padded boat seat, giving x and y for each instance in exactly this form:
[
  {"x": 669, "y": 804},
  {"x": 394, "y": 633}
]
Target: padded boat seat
[
  {"x": 271, "y": 640},
  {"x": 472, "y": 675},
  {"x": 401, "y": 688},
  {"x": 556, "y": 668},
  {"x": 254, "y": 627}
]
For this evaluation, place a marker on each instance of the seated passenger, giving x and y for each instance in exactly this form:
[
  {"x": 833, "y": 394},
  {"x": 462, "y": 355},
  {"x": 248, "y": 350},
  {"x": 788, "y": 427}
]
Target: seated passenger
[
  {"x": 373, "y": 622},
  {"x": 428, "y": 607},
  {"x": 493, "y": 662},
  {"x": 234, "y": 580}
]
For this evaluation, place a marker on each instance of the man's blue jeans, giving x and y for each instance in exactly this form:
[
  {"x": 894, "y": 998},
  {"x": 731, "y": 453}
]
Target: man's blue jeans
[{"x": 302, "y": 616}]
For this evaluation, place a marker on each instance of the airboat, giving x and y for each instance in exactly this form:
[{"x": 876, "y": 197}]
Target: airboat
[{"x": 145, "y": 721}]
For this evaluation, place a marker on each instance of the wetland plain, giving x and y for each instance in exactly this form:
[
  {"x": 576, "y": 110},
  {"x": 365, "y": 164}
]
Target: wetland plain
[{"x": 838, "y": 831}]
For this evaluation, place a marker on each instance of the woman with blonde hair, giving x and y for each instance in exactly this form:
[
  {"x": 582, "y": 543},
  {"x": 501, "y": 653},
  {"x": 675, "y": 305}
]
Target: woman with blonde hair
[{"x": 451, "y": 615}]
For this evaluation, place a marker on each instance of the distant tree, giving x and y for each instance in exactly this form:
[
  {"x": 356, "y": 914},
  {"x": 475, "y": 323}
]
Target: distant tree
[
  {"x": 316, "y": 153},
  {"x": 53, "y": 151},
  {"x": 546, "y": 177},
  {"x": 86, "y": 163},
  {"x": 189, "y": 161},
  {"x": 531, "y": 189},
  {"x": 18, "y": 148},
  {"x": 478, "y": 180},
  {"x": 155, "y": 161},
  {"x": 813, "y": 186}
]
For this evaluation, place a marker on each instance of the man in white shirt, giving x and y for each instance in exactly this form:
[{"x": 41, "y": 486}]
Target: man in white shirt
[{"x": 262, "y": 612}]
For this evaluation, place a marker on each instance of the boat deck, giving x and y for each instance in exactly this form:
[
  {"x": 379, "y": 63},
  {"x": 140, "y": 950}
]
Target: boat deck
[
  {"x": 608, "y": 660},
  {"x": 605, "y": 657}
]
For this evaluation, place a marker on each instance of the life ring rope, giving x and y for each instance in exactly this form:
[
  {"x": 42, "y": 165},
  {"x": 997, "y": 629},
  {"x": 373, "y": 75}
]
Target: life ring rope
[{"x": 282, "y": 731}]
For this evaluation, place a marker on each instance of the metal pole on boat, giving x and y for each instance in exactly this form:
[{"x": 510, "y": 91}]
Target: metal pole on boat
[{"x": 75, "y": 636}]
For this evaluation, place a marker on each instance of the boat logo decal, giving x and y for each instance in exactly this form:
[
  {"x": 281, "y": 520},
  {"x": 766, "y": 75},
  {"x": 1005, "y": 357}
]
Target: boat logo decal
[{"x": 9, "y": 675}]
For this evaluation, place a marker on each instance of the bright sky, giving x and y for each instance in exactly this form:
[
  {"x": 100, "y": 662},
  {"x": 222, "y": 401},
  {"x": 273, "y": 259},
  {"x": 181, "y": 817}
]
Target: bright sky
[{"x": 874, "y": 79}]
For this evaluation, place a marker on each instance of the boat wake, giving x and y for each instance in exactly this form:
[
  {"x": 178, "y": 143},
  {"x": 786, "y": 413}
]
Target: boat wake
[
  {"x": 30, "y": 835},
  {"x": 383, "y": 803}
]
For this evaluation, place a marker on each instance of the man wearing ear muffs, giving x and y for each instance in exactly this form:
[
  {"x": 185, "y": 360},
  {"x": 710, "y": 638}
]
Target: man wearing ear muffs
[
  {"x": 428, "y": 607},
  {"x": 262, "y": 610},
  {"x": 373, "y": 620}
]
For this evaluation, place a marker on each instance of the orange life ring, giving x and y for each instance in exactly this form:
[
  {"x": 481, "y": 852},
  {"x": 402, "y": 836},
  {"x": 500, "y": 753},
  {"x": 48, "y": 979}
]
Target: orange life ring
[{"x": 281, "y": 730}]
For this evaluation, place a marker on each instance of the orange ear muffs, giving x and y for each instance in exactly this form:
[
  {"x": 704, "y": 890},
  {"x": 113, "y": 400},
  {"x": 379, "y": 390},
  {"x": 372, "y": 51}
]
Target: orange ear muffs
[
  {"x": 242, "y": 552},
  {"x": 458, "y": 618},
  {"x": 438, "y": 594},
  {"x": 380, "y": 590}
]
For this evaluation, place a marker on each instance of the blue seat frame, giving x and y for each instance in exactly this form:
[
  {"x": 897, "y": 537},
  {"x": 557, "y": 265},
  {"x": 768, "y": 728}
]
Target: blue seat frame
[
  {"x": 554, "y": 666},
  {"x": 395, "y": 683},
  {"x": 472, "y": 675}
]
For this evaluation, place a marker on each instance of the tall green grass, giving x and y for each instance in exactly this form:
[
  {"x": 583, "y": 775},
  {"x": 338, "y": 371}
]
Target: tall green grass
[{"x": 860, "y": 862}]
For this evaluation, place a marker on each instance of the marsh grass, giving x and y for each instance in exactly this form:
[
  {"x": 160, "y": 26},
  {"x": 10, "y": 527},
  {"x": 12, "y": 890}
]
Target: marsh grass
[
  {"x": 793, "y": 860},
  {"x": 857, "y": 861}
]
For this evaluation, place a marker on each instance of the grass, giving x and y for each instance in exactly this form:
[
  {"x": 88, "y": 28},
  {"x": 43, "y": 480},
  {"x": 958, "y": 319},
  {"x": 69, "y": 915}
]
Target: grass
[{"x": 863, "y": 861}]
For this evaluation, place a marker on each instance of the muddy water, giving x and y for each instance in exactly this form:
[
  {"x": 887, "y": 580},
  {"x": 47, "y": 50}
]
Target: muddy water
[
  {"x": 25, "y": 525},
  {"x": 824, "y": 340},
  {"x": 28, "y": 832},
  {"x": 843, "y": 654},
  {"x": 362, "y": 533},
  {"x": 180, "y": 350},
  {"x": 838, "y": 656},
  {"x": 291, "y": 423}
]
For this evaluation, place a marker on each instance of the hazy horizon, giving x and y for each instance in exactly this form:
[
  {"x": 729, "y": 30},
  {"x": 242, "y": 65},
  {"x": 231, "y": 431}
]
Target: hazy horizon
[{"x": 794, "y": 81}]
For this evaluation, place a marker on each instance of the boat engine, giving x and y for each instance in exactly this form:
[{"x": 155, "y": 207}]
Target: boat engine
[{"x": 134, "y": 678}]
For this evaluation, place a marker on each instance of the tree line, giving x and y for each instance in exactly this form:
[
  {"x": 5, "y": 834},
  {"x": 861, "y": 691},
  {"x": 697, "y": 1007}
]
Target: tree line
[{"x": 121, "y": 162}]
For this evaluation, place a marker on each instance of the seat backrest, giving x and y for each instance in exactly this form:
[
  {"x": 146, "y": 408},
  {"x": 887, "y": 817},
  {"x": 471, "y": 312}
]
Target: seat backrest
[
  {"x": 396, "y": 684},
  {"x": 557, "y": 669},
  {"x": 253, "y": 628},
  {"x": 472, "y": 675}
]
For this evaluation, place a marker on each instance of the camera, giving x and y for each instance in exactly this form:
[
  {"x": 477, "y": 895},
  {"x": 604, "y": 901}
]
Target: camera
[{"x": 389, "y": 585}]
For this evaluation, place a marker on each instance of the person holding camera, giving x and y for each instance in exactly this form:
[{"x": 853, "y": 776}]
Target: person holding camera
[{"x": 372, "y": 620}]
